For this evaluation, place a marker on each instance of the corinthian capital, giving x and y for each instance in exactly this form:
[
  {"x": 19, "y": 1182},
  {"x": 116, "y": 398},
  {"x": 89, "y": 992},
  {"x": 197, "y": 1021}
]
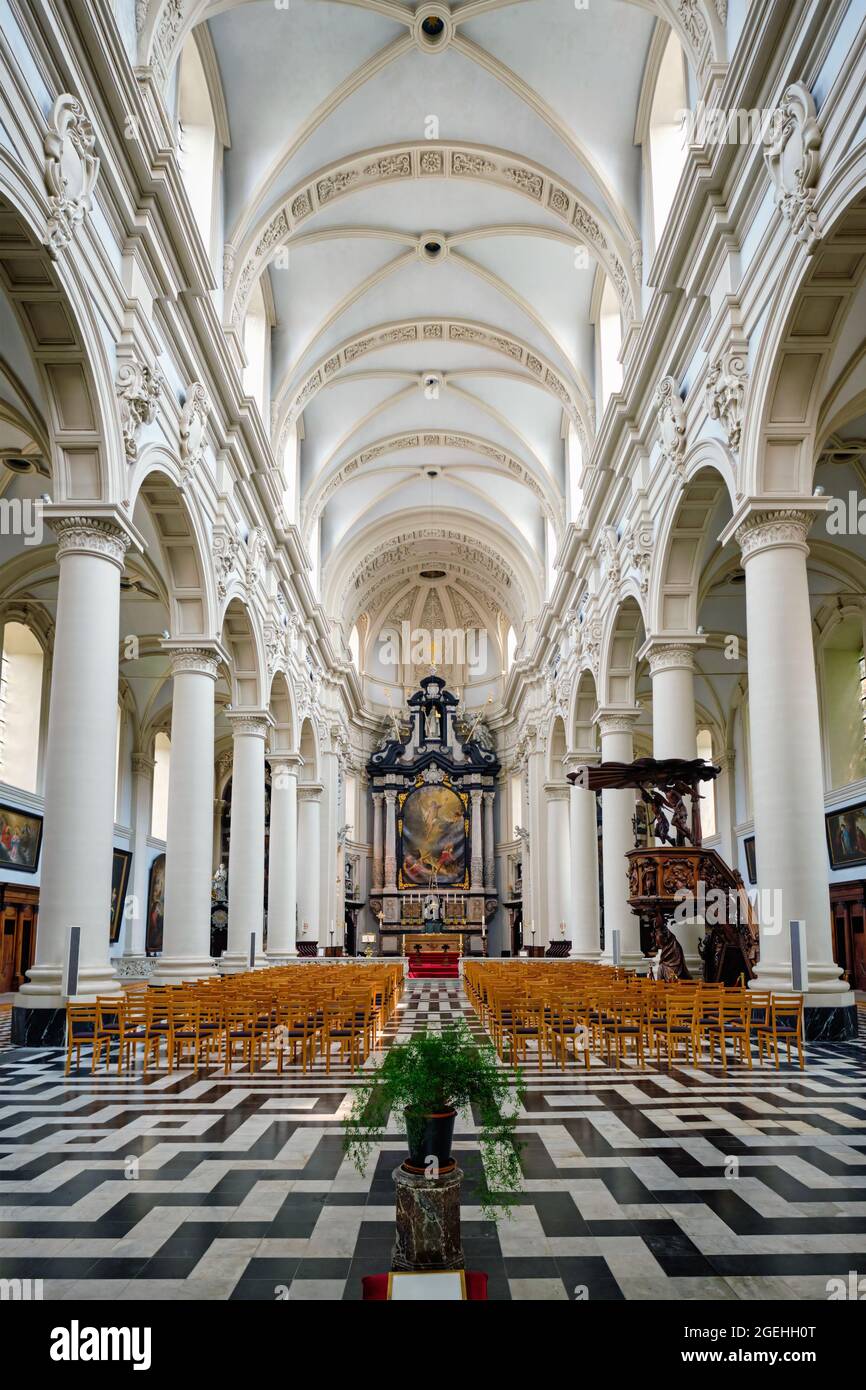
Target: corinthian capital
[
  {"x": 763, "y": 530},
  {"x": 88, "y": 535}
]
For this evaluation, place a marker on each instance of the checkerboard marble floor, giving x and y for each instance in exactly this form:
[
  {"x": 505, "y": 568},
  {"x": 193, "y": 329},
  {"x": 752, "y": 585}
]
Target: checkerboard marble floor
[{"x": 639, "y": 1184}]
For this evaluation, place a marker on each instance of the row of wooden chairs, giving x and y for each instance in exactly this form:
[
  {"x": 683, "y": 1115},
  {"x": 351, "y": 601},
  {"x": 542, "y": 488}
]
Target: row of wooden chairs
[
  {"x": 292, "y": 1013},
  {"x": 575, "y": 1009}
]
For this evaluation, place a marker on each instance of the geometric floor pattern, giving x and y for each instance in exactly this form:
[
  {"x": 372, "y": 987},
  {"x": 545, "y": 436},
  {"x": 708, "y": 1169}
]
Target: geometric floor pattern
[{"x": 639, "y": 1184}]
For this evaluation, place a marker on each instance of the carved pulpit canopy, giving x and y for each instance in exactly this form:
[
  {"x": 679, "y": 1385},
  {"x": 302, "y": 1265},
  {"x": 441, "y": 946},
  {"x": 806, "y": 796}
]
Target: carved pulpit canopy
[{"x": 664, "y": 783}]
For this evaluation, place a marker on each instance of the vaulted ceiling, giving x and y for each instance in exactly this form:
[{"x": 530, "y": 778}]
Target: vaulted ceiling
[{"x": 433, "y": 196}]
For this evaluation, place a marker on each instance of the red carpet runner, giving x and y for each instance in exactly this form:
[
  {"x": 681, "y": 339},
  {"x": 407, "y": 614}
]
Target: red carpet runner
[{"x": 434, "y": 967}]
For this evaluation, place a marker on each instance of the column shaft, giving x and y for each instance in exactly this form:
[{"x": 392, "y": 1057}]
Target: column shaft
[
  {"x": 558, "y": 862},
  {"x": 309, "y": 848},
  {"x": 247, "y": 844},
  {"x": 617, "y": 811},
  {"x": 583, "y": 917},
  {"x": 282, "y": 859},
  {"x": 75, "y": 888}
]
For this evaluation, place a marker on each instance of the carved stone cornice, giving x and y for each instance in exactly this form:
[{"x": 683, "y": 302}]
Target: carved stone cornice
[
  {"x": 249, "y": 723},
  {"x": 86, "y": 535},
  {"x": 201, "y": 661},
  {"x": 792, "y": 155},
  {"x": 763, "y": 530},
  {"x": 138, "y": 391},
  {"x": 142, "y": 766},
  {"x": 671, "y": 417},
  {"x": 71, "y": 169}
]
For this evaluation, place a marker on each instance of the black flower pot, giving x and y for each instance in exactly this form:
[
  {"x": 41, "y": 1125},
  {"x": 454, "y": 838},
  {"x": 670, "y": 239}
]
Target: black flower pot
[{"x": 429, "y": 1137}]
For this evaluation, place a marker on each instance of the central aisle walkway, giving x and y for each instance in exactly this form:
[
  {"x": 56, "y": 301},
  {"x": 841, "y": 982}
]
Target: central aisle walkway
[{"x": 638, "y": 1184}]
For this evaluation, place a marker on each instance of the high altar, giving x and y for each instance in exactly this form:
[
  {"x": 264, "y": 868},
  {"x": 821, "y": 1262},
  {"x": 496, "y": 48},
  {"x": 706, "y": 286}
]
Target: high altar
[{"x": 433, "y": 780}]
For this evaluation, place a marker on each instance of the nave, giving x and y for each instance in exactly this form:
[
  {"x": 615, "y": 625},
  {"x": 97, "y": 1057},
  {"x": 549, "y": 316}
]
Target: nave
[{"x": 215, "y": 1186}]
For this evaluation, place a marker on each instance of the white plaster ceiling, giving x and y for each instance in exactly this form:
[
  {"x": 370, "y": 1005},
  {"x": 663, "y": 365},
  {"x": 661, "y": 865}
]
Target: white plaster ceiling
[{"x": 320, "y": 84}]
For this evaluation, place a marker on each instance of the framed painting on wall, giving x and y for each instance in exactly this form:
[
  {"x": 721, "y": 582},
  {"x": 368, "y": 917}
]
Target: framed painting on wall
[
  {"x": 751, "y": 861},
  {"x": 120, "y": 863},
  {"x": 20, "y": 839},
  {"x": 155, "y": 905},
  {"x": 846, "y": 836}
]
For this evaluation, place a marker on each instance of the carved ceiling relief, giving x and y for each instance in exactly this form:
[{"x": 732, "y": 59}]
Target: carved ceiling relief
[
  {"x": 71, "y": 170},
  {"x": 725, "y": 392},
  {"x": 192, "y": 432},
  {"x": 671, "y": 416},
  {"x": 138, "y": 392},
  {"x": 792, "y": 155}
]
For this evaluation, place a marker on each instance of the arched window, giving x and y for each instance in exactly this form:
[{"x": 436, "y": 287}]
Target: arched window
[
  {"x": 510, "y": 648},
  {"x": 197, "y": 142},
  {"x": 516, "y": 803},
  {"x": 257, "y": 349},
  {"x": 350, "y": 811},
  {"x": 161, "y": 770},
  {"x": 355, "y": 647},
  {"x": 20, "y": 707},
  {"x": 708, "y": 789},
  {"x": 667, "y": 133},
  {"x": 609, "y": 343}
]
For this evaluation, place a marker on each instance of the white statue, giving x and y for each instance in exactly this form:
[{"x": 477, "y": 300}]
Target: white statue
[
  {"x": 431, "y": 908},
  {"x": 431, "y": 723}
]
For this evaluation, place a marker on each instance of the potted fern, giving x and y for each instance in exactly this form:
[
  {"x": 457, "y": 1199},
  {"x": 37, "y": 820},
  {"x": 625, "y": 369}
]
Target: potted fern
[{"x": 433, "y": 1078}]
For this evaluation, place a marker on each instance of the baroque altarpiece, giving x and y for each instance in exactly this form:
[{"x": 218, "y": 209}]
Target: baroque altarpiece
[{"x": 433, "y": 783}]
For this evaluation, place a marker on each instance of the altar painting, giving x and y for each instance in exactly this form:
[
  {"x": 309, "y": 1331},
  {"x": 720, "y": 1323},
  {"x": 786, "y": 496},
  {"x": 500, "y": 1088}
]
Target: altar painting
[{"x": 433, "y": 838}]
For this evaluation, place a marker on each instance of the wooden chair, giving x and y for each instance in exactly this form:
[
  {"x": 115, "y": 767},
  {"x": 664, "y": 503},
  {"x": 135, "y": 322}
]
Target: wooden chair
[
  {"x": 242, "y": 1027},
  {"x": 785, "y": 1022},
  {"x": 81, "y": 1031},
  {"x": 625, "y": 1025},
  {"x": 111, "y": 1015},
  {"x": 677, "y": 1026}
]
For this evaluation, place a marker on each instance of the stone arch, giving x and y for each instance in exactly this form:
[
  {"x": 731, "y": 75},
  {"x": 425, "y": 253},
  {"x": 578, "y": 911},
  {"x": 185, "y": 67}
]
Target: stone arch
[
  {"x": 581, "y": 717},
  {"x": 557, "y": 748},
  {"x": 282, "y": 708},
  {"x": 309, "y": 747},
  {"x": 624, "y": 636},
  {"x": 540, "y": 370},
  {"x": 676, "y": 574},
  {"x": 423, "y": 160},
  {"x": 156, "y": 484},
  {"x": 53, "y": 308},
  {"x": 240, "y": 639},
  {"x": 814, "y": 296}
]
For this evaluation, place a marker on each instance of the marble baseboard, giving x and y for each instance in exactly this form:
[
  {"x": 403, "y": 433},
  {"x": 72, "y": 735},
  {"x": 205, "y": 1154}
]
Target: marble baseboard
[
  {"x": 38, "y": 1027},
  {"x": 830, "y": 1025}
]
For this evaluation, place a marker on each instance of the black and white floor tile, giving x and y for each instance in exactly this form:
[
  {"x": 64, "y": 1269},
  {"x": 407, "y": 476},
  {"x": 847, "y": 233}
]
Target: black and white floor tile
[{"x": 639, "y": 1184}]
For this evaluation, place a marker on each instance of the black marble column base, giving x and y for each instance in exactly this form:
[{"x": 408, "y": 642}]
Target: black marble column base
[
  {"x": 428, "y": 1222},
  {"x": 830, "y": 1025},
  {"x": 38, "y": 1027}
]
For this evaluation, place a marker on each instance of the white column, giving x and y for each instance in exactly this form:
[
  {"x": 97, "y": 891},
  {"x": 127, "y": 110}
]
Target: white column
[
  {"x": 489, "y": 845},
  {"x": 134, "y": 943},
  {"x": 583, "y": 917},
  {"x": 329, "y": 825},
  {"x": 558, "y": 860},
  {"x": 189, "y": 835},
  {"x": 787, "y": 778},
  {"x": 536, "y": 907},
  {"x": 672, "y": 669},
  {"x": 309, "y": 842},
  {"x": 617, "y": 811},
  {"x": 378, "y": 868},
  {"x": 75, "y": 887},
  {"x": 247, "y": 843},
  {"x": 283, "y": 856}
]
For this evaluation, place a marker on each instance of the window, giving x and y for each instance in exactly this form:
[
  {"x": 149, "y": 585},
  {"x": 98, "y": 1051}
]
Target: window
[
  {"x": 708, "y": 789},
  {"x": 256, "y": 349},
  {"x": 20, "y": 707},
  {"x": 574, "y": 469},
  {"x": 351, "y": 808},
  {"x": 609, "y": 343},
  {"x": 516, "y": 804},
  {"x": 510, "y": 648},
  {"x": 844, "y": 700},
  {"x": 197, "y": 141},
  {"x": 118, "y": 780},
  {"x": 667, "y": 133},
  {"x": 550, "y": 549},
  {"x": 161, "y": 769},
  {"x": 355, "y": 647},
  {"x": 862, "y": 670}
]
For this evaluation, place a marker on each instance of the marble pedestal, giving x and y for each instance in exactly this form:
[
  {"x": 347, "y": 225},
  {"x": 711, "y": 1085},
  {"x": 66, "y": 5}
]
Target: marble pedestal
[{"x": 428, "y": 1222}]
